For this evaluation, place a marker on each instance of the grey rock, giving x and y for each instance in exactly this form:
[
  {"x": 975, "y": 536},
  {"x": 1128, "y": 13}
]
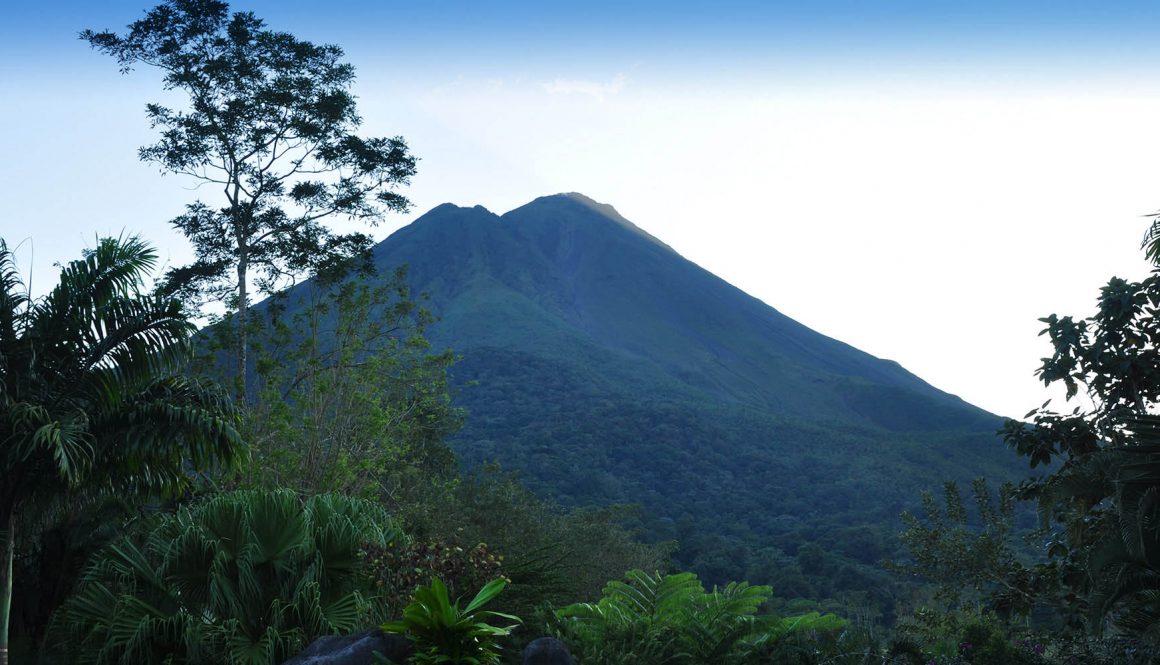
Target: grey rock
[
  {"x": 546, "y": 651},
  {"x": 356, "y": 649}
]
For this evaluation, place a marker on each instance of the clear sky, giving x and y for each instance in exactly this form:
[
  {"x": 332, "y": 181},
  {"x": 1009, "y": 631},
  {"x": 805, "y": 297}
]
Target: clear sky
[{"x": 922, "y": 180}]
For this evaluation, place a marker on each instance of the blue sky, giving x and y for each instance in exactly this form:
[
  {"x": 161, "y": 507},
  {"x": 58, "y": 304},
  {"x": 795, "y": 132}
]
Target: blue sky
[
  {"x": 667, "y": 35},
  {"x": 922, "y": 180}
]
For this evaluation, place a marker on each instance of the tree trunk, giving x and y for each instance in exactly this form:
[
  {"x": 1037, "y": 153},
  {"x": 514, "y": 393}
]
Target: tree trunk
[
  {"x": 8, "y": 534},
  {"x": 243, "y": 314}
]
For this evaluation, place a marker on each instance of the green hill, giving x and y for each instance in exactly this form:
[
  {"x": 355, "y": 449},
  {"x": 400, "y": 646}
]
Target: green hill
[{"x": 606, "y": 368}]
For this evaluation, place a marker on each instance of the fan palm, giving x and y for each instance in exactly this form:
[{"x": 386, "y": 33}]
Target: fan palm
[
  {"x": 244, "y": 578},
  {"x": 89, "y": 401},
  {"x": 1151, "y": 243}
]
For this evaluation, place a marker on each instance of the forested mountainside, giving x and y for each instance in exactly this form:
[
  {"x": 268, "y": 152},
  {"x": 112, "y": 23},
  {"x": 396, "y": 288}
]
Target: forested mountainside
[{"x": 606, "y": 368}]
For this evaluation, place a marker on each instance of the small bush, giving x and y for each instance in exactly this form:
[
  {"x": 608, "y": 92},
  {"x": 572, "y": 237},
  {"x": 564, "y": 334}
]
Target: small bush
[
  {"x": 444, "y": 634},
  {"x": 398, "y": 569}
]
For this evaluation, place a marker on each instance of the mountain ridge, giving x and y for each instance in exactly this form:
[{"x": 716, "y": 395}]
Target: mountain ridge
[{"x": 559, "y": 235}]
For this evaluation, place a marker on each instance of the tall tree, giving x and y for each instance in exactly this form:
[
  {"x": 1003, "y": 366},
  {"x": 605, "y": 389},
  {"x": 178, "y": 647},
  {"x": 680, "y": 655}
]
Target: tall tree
[
  {"x": 88, "y": 400},
  {"x": 270, "y": 121},
  {"x": 1102, "y": 492}
]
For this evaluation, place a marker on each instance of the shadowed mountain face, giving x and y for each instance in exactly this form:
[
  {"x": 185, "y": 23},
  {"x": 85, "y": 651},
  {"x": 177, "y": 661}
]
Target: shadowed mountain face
[
  {"x": 565, "y": 278},
  {"x": 606, "y": 368}
]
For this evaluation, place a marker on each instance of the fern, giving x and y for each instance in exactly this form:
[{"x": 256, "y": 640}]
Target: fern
[{"x": 672, "y": 620}]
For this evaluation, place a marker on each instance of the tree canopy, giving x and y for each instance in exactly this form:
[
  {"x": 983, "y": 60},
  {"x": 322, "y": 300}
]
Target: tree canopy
[
  {"x": 1101, "y": 492},
  {"x": 271, "y": 124}
]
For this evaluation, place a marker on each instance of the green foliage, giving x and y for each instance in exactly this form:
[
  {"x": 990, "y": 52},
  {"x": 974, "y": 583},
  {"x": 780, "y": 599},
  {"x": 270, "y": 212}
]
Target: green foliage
[
  {"x": 444, "y": 633},
  {"x": 89, "y": 400},
  {"x": 270, "y": 123},
  {"x": 246, "y": 578},
  {"x": 700, "y": 472},
  {"x": 985, "y": 644},
  {"x": 1100, "y": 497},
  {"x": 970, "y": 559},
  {"x": 54, "y": 549},
  {"x": 88, "y": 395},
  {"x": 350, "y": 398},
  {"x": 810, "y": 639},
  {"x": 398, "y": 569},
  {"x": 1078, "y": 648},
  {"x": 960, "y": 635},
  {"x": 671, "y": 619},
  {"x": 606, "y": 369},
  {"x": 1125, "y": 565},
  {"x": 550, "y": 555},
  {"x": 643, "y": 618},
  {"x": 955, "y": 637}
]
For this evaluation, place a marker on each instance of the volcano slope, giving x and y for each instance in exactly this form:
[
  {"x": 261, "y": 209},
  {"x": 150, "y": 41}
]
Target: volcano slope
[{"x": 605, "y": 368}]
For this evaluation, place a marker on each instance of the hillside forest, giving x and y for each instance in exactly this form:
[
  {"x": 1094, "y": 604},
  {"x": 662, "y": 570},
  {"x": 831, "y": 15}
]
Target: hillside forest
[{"x": 338, "y": 451}]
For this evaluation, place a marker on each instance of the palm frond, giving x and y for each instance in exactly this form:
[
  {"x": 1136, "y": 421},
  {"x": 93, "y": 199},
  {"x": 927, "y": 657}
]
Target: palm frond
[
  {"x": 1151, "y": 242},
  {"x": 88, "y": 379},
  {"x": 14, "y": 304},
  {"x": 236, "y": 578}
]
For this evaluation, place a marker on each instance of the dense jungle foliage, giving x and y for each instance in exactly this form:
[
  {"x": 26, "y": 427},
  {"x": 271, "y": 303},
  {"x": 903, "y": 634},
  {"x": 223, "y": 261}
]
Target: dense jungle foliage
[
  {"x": 736, "y": 488},
  {"x": 159, "y": 506}
]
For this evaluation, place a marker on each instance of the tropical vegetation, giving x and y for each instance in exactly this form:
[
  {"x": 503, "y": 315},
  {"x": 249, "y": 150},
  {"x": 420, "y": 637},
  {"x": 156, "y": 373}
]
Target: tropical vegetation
[
  {"x": 654, "y": 618},
  {"x": 443, "y": 632},
  {"x": 146, "y": 517},
  {"x": 1099, "y": 500},
  {"x": 91, "y": 401},
  {"x": 248, "y": 577},
  {"x": 603, "y": 367},
  {"x": 348, "y": 395}
]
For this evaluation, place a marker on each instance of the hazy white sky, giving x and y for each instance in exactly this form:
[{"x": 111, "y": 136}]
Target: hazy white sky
[{"x": 918, "y": 180}]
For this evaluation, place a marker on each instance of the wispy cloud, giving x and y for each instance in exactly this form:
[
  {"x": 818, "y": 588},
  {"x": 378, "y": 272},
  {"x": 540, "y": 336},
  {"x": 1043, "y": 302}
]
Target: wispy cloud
[{"x": 595, "y": 89}]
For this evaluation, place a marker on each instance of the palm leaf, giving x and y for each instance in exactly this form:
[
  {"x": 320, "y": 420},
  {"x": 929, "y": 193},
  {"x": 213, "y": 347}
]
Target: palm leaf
[
  {"x": 200, "y": 586},
  {"x": 1151, "y": 242},
  {"x": 489, "y": 591}
]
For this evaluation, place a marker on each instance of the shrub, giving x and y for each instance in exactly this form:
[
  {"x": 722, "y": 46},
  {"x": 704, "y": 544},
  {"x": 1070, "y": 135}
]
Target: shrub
[
  {"x": 445, "y": 634},
  {"x": 247, "y": 577},
  {"x": 398, "y": 569}
]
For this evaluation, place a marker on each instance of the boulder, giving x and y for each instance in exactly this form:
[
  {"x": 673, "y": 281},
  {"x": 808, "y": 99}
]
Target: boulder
[
  {"x": 357, "y": 649},
  {"x": 546, "y": 651}
]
